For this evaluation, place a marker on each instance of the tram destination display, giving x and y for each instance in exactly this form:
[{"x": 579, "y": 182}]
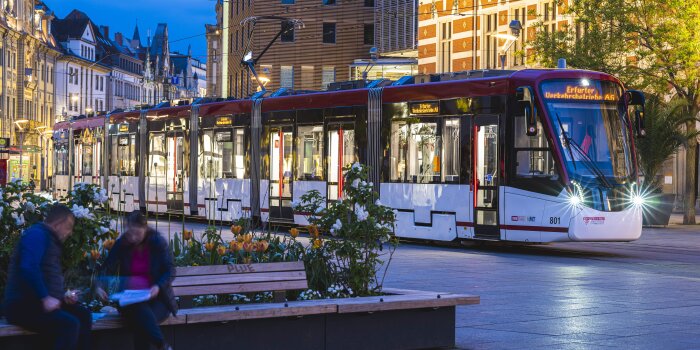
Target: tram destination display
[{"x": 425, "y": 108}]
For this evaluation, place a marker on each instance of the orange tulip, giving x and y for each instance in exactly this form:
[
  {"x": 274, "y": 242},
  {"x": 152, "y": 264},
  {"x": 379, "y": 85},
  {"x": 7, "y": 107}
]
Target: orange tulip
[
  {"x": 221, "y": 250},
  {"x": 236, "y": 229},
  {"x": 313, "y": 231},
  {"x": 209, "y": 246},
  {"x": 108, "y": 244},
  {"x": 248, "y": 238},
  {"x": 248, "y": 247},
  {"x": 317, "y": 244},
  {"x": 240, "y": 238},
  {"x": 234, "y": 246},
  {"x": 294, "y": 233},
  {"x": 187, "y": 235},
  {"x": 262, "y": 246},
  {"x": 94, "y": 254}
]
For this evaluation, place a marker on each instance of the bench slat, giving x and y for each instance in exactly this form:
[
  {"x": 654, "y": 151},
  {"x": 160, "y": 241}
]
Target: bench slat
[
  {"x": 240, "y": 268},
  {"x": 396, "y": 302},
  {"x": 246, "y": 312},
  {"x": 240, "y": 288},
  {"x": 238, "y": 278}
]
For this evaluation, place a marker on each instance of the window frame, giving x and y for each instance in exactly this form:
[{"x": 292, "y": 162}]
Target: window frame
[{"x": 334, "y": 31}]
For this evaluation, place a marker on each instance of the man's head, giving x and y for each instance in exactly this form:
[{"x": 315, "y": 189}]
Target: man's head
[
  {"x": 137, "y": 227},
  {"x": 61, "y": 220}
]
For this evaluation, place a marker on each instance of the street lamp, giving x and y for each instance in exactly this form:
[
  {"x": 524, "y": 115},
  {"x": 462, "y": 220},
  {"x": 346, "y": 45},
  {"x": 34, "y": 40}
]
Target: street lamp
[
  {"x": 515, "y": 28},
  {"x": 22, "y": 131}
]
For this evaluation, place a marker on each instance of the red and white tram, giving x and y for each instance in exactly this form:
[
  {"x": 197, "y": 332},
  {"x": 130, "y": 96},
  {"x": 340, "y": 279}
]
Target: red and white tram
[
  {"x": 78, "y": 153},
  {"x": 531, "y": 155}
]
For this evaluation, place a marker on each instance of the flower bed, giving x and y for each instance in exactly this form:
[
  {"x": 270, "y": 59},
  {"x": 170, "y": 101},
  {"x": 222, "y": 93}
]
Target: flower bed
[{"x": 348, "y": 255}]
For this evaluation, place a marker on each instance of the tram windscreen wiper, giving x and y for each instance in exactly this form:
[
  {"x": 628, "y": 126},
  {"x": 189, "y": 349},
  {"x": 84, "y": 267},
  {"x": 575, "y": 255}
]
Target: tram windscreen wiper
[{"x": 587, "y": 161}]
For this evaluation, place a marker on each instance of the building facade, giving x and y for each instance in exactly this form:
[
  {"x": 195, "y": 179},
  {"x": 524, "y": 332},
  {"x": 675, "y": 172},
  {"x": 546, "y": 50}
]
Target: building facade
[
  {"x": 28, "y": 59},
  {"x": 214, "y": 53},
  {"x": 190, "y": 75},
  {"x": 308, "y": 57},
  {"x": 458, "y": 35}
]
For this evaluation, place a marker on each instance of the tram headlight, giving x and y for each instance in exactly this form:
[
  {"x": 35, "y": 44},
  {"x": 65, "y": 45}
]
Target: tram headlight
[
  {"x": 575, "y": 200},
  {"x": 638, "y": 200}
]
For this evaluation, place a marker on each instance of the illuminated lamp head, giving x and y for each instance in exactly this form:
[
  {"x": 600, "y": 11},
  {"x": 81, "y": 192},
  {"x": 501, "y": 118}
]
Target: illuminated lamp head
[{"x": 575, "y": 195}]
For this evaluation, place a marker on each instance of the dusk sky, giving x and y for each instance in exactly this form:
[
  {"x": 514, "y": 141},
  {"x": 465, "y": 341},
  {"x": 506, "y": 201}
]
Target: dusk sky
[{"x": 185, "y": 18}]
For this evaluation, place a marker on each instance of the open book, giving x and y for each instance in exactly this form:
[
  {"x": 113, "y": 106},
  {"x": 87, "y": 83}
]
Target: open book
[{"x": 131, "y": 296}]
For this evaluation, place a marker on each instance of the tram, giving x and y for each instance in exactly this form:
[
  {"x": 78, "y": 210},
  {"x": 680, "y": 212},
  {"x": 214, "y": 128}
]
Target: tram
[{"x": 530, "y": 156}]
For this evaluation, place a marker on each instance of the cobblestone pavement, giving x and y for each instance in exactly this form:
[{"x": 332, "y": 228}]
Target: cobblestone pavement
[{"x": 638, "y": 295}]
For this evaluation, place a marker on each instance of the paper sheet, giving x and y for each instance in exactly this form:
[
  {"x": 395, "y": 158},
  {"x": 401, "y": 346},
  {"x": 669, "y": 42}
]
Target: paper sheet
[{"x": 131, "y": 296}]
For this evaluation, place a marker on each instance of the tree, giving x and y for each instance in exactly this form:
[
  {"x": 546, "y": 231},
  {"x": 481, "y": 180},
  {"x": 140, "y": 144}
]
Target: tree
[
  {"x": 653, "y": 45},
  {"x": 665, "y": 122}
]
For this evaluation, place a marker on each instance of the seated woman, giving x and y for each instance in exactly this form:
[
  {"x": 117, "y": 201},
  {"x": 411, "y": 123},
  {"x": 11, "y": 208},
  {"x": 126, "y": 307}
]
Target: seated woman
[{"x": 144, "y": 262}]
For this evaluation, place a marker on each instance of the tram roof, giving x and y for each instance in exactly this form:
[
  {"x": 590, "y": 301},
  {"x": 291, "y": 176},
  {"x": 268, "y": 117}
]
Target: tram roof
[{"x": 475, "y": 83}]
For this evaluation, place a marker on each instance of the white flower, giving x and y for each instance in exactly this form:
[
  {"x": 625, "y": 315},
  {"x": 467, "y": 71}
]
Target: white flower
[
  {"x": 378, "y": 202},
  {"x": 361, "y": 213},
  {"x": 103, "y": 229},
  {"x": 363, "y": 184},
  {"x": 337, "y": 226},
  {"x": 371, "y": 184},
  {"x": 100, "y": 195},
  {"x": 1, "y": 210},
  {"x": 355, "y": 183},
  {"x": 30, "y": 206},
  {"x": 81, "y": 212},
  {"x": 16, "y": 180},
  {"x": 19, "y": 219},
  {"x": 357, "y": 166},
  {"x": 1, "y": 192},
  {"x": 295, "y": 204},
  {"x": 113, "y": 224}
]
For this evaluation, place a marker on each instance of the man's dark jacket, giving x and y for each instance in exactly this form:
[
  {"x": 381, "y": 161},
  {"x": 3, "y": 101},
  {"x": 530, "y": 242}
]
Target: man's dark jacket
[
  {"x": 35, "y": 268},
  {"x": 162, "y": 269}
]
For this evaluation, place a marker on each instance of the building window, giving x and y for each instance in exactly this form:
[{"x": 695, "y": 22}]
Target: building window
[
  {"x": 287, "y": 2},
  {"x": 327, "y": 76},
  {"x": 307, "y": 77},
  {"x": 369, "y": 3},
  {"x": 369, "y": 34},
  {"x": 310, "y": 152},
  {"x": 329, "y": 2},
  {"x": 288, "y": 36},
  {"x": 445, "y": 52},
  {"x": 329, "y": 33},
  {"x": 287, "y": 77}
]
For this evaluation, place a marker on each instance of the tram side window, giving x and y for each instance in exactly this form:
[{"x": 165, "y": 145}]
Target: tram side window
[
  {"x": 157, "y": 162},
  {"x": 123, "y": 160},
  {"x": 211, "y": 157},
  {"x": 415, "y": 152},
  {"x": 87, "y": 160},
  {"x": 450, "y": 151},
  {"x": 61, "y": 156},
  {"x": 533, "y": 156},
  {"x": 310, "y": 152},
  {"x": 223, "y": 154}
]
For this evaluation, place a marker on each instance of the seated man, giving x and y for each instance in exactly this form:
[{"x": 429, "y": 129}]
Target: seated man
[{"x": 35, "y": 297}]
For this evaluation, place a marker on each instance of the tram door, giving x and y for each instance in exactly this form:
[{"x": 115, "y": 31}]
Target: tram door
[
  {"x": 486, "y": 177},
  {"x": 281, "y": 175},
  {"x": 175, "y": 172},
  {"x": 341, "y": 152}
]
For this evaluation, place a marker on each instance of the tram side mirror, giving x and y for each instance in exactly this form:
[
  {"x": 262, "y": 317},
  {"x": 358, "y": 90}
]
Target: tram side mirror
[
  {"x": 636, "y": 99},
  {"x": 526, "y": 103}
]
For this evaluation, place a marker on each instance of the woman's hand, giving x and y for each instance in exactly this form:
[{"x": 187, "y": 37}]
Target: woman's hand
[
  {"x": 101, "y": 294},
  {"x": 154, "y": 291}
]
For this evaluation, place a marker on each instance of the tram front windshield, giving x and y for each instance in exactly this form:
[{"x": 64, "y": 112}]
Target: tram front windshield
[{"x": 590, "y": 127}]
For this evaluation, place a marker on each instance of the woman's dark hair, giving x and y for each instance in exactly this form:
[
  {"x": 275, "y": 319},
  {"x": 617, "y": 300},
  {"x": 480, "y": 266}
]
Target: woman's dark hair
[
  {"x": 58, "y": 212},
  {"x": 136, "y": 219}
]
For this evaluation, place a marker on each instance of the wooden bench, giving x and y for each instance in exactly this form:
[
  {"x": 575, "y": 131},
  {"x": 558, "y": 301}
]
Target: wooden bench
[
  {"x": 235, "y": 279},
  {"x": 416, "y": 319}
]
